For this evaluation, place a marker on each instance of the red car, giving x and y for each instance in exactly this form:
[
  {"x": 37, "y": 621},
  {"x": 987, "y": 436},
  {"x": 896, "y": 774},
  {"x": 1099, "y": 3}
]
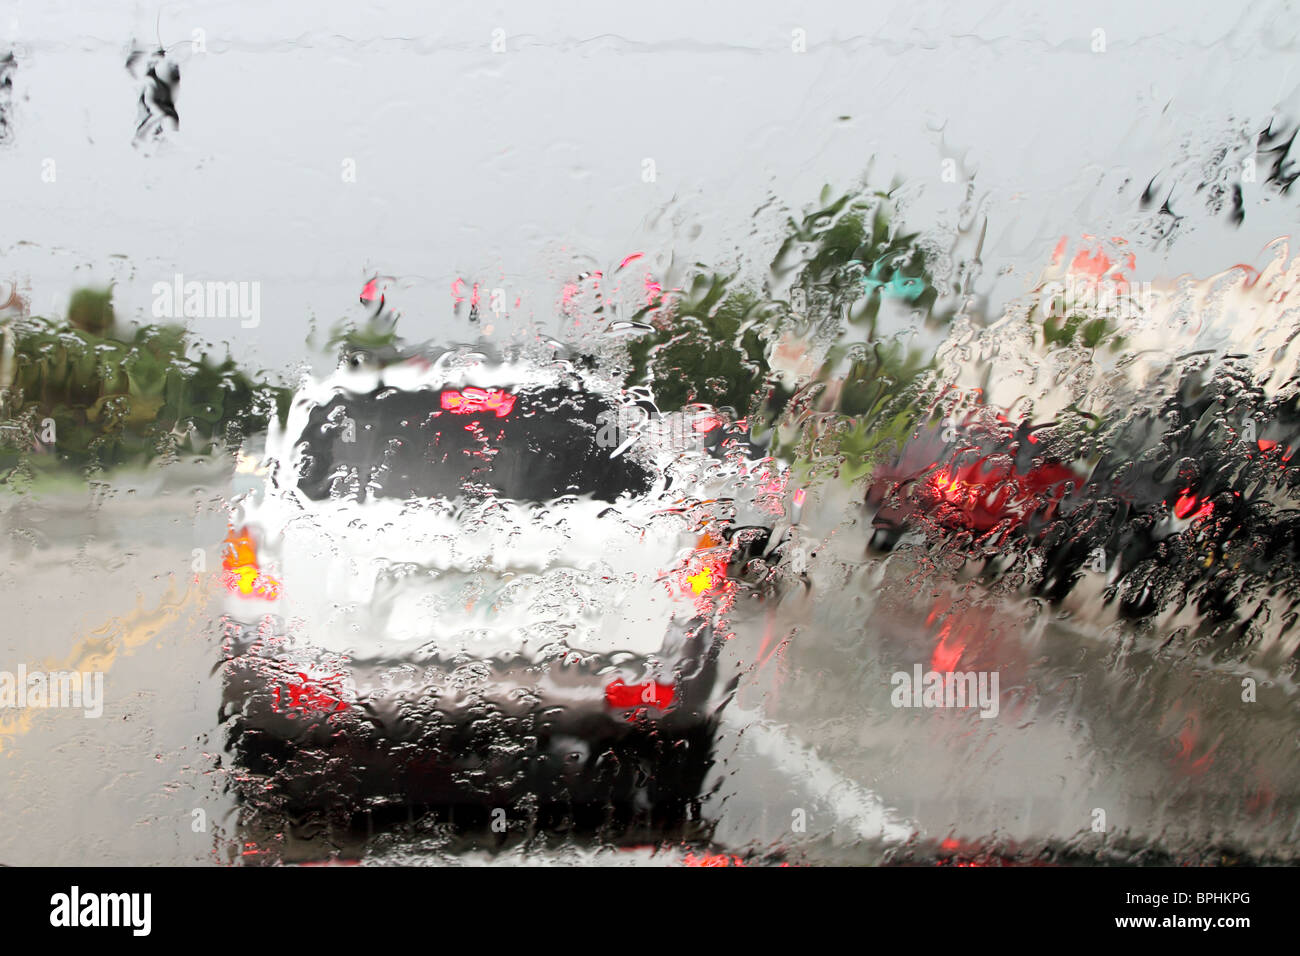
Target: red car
[{"x": 977, "y": 477}]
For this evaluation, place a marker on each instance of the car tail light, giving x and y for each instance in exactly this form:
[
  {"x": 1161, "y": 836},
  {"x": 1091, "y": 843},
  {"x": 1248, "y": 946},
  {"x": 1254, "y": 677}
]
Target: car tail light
[
  {"x": 647, "y": 694},
  {"x": 712, "y": 859},
  {"x": 986, "y": 493},
  {"x": 305, "y": 695},
  {"x": 1191, "y": 506},
  {"x": 469, "y": 400}
]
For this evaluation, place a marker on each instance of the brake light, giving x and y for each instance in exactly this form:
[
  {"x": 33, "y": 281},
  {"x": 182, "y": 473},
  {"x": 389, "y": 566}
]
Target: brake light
[
  {"x": 712, "y": 859},
  {"x": 987, "y": 493},
  {"x": 1187, "y": 506},
  {"x": 647, "y": 694},
  {"x": 470, "y": 400},
  {"x": 308, "y": 695}
]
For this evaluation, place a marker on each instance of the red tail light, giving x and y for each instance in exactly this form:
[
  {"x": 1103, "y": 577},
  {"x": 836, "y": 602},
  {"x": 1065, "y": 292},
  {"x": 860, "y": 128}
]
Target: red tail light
[
  {"x": 712, "y": 859},
  {"x": 469, "y": 400},
  {"x": 647, "y": 694},
  {"x": 1189, "y": 505},
  {"x": 307, "y": 695}
]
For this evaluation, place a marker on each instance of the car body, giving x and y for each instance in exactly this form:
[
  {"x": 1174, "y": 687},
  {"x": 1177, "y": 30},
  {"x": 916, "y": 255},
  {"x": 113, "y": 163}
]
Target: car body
[
  {"x": 461, "y": 575},
  {"x": 983, "y": 478},
  {"x": 1190, "y": 497}
]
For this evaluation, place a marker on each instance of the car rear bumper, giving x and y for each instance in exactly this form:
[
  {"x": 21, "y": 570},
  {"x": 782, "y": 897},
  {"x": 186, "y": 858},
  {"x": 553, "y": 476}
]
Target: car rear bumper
[{"x": 324, "y": 732}]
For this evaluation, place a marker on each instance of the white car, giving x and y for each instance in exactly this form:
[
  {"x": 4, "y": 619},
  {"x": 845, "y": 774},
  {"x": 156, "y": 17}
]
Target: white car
[{"x": 459, "y": 576}]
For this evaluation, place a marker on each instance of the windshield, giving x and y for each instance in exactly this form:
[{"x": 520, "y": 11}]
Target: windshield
[{"x": 525, "y": 444}]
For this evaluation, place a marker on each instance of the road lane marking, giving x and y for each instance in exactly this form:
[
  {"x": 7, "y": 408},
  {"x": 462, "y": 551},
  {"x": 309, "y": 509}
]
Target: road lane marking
[{"x": 850, "y": 803}]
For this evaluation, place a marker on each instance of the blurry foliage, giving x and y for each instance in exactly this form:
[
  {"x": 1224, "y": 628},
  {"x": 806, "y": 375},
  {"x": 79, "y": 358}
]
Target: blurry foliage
[
  {"x": 377, "y": 335},
  {"x": 91, "y": 311},
  {"x": 1061, "y": 331},
  {"x": 877, "y": 408},
  {"x": 118, "y": 397},
  {"x": 849, "y": 256},
  {"x": 1067, "y": 324},
  {"x": 708, "y": 349},
  {"x": 718, "y": 344}
]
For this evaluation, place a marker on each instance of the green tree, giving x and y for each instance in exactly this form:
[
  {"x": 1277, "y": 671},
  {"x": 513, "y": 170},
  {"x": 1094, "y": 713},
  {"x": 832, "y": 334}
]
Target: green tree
[
  {"x": 706, "y": 346},
  {"x": 725, "y": 344},
  {"x": 120, "y": 398}
]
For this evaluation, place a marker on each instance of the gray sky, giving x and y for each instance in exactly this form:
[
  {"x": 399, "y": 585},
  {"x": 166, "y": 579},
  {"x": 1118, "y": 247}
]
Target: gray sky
[{"x": 523, "y": 167}]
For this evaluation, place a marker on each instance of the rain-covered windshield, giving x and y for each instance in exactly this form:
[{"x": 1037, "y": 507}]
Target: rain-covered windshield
[{"x": 765, "y": 433}]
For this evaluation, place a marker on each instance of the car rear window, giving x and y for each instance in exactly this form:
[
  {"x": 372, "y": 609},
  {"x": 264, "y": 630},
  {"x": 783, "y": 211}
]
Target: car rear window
[{"x": 524, "y": 444}]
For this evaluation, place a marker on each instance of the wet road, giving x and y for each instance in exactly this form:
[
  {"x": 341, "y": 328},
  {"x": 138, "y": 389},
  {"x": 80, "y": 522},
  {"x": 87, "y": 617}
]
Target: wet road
[{"x": 813, "y": 763}]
